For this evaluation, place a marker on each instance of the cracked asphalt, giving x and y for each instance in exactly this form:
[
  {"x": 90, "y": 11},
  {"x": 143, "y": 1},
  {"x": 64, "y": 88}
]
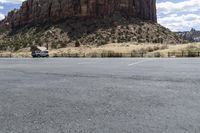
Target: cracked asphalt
[{"x": 100, "y": 95}]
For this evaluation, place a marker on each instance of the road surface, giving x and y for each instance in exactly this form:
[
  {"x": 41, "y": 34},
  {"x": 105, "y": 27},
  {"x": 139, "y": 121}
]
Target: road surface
[{"x": 99, "y": 95}]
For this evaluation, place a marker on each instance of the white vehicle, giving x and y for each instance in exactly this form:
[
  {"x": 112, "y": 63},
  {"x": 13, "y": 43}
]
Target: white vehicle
[{"x": 40, "y": 52}]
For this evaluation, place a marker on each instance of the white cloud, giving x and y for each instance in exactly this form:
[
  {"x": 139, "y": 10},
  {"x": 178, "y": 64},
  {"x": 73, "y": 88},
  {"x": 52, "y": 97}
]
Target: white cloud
[
  {"x": 1, "y": 7},
  {"x": 1, "y": 16},
  {"x": 184, "y": 6},
  {"x": 180, "y": 22},
  {"x": 12, "y": 1},
  {"x": 179, "y": 16}
]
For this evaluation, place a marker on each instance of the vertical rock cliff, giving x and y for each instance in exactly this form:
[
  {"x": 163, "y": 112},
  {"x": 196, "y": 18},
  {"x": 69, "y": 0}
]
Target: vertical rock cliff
[{"x": 33, "y": 12}]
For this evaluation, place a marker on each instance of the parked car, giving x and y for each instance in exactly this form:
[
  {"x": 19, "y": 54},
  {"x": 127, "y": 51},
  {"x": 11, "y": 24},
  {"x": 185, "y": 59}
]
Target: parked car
[{"x": 40, "y": 52}]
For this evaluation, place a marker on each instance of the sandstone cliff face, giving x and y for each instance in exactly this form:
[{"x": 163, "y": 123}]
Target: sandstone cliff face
[{"x": 33, "y": 12}]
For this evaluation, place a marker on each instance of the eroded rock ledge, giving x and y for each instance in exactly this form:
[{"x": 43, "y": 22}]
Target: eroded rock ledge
[{"x": 33, "y": 12}]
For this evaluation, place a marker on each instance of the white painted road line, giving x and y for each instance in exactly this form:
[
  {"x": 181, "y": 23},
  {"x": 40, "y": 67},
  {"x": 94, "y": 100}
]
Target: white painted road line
[
  {"x": 138, "y": 62},
  {"x": 86, "y": 63}
]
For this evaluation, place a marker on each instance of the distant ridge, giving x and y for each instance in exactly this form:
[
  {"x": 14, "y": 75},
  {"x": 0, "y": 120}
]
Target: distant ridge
[{"x": 192, "y": 35}]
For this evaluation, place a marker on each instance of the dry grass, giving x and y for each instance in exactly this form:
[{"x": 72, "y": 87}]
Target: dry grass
[
  {"x": 190, "y": 47},
  {"x": 114, "y": 50}
]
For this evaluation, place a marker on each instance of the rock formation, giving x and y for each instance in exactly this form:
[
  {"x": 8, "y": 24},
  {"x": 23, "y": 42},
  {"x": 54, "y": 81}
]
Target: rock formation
[
  {"x": 63, "y": 23},
  {"x": 33, "y": 12},
  {"x": 192, "y": 35}
]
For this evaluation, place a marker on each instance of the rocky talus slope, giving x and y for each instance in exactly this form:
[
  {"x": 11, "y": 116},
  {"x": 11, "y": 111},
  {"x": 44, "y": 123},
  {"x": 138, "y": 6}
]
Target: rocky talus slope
[{"x": 97, "y": 32}]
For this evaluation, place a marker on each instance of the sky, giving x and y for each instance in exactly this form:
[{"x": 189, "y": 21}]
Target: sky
[{"x": 177, "y": 15}]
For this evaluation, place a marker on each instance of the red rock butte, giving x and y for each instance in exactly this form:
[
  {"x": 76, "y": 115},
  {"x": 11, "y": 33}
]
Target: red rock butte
[{"x": 41, "y": 11}]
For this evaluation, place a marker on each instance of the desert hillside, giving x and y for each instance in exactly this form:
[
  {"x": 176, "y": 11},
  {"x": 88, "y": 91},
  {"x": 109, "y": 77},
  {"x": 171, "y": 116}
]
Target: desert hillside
[{"x": 76, "y": 32}]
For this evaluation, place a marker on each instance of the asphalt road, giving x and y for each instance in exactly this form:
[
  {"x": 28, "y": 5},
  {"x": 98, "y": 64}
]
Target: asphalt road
[{"x": 99, "y": 95}]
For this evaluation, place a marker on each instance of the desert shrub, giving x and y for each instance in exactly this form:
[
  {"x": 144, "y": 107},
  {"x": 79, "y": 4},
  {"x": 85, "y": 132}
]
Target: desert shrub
[
  {"x": 63, "y": 44},
  {"x": 192, "y": 48},
  {"x": 192, "y": 54},
  {"x": 55, "y": 55},
  {"x": 164, "y": 47},
  {"x": 113, "y": 31},
  {"x": 139, "y": 31},
  {"x": 101, "y": 42},
  {"x": 111, "y": 54},
  {"x": 141, "y": 40},
  {"x": 138, "y": 53},
  {"x": 3, "y": 46},
  {"x": 62, "y": 32},
  {"x": 160, "y": 40},
  {"x": 142, "y": 50},
  {"x": 134, "y": 39},
  {"x": 155, "y": 40},
  {"x": 94, "y": 54},
  {"x": 74, "y": 55},
  {"x": 54, "y": 45},
  {"x": 17, "y": 47},
  {"x": 149, "y": 49},
  {"x": 157, "y": 54},
  {"x": 156, "y": 47}
]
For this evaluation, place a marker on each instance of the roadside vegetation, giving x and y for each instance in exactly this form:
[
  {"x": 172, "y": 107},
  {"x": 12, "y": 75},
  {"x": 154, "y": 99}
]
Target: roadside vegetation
[
  {"x": 118, "y": 50},
  {"x": 131, "y": 50}
]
